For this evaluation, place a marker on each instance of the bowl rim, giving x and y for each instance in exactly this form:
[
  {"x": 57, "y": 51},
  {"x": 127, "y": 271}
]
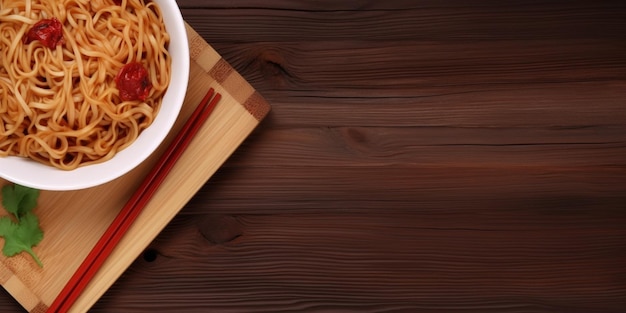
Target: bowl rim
[{"x": 29, "y": 173}]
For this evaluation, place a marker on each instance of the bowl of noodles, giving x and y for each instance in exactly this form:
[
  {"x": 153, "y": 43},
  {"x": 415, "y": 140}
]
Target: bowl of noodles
[{"x": 88, "y": 88}]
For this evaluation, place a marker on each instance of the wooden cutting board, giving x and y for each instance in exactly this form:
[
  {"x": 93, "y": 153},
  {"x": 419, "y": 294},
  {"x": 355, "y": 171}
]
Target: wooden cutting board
[{"x": 73, "y": 221}]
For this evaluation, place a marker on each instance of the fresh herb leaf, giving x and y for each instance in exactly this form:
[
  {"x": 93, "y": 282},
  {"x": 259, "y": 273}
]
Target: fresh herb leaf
[
  {"x": 22, "y": 232},
  {"x": 22, "y": 236},
  {"x": 19, "y": 200}
]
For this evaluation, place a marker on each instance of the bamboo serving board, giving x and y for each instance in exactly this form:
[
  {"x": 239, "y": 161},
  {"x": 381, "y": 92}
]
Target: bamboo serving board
[{"x": 73, "y": 221}]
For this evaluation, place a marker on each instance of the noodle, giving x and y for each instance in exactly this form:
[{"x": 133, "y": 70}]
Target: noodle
[{"x": 60, "y": 104}]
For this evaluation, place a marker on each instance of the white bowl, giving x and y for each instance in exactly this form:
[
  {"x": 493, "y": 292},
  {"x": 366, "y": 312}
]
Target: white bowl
[{"x": 33, "y": 174}]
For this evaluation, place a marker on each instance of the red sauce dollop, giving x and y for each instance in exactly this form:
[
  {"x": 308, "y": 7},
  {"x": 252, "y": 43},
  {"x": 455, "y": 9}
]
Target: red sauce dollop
[
  {"x": 133, "y": 83},
  {"x": 48, "y": 31}
]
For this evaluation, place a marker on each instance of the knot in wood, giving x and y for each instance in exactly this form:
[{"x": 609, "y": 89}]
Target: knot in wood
[{"x": 220, "y": 229}]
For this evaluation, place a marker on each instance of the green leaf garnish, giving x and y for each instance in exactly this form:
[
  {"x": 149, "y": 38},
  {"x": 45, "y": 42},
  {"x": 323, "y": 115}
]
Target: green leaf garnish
[
  {"x": 22, "y": 232},
  {"x": 22, "y": 236},
  {"x": 19, "y": 200}
]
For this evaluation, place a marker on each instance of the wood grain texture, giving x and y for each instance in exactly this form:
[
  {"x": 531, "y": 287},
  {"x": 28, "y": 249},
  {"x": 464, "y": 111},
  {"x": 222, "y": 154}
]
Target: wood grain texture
[{"x": 420, "y": 156}]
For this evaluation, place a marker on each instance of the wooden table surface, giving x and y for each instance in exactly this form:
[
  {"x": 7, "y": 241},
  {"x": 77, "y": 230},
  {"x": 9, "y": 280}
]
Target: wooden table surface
[{"x": 420, "y": 156}]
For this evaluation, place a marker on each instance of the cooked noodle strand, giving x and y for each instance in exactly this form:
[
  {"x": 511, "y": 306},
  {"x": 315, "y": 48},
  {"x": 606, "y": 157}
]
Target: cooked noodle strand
[{"x": 61, "y": 106}]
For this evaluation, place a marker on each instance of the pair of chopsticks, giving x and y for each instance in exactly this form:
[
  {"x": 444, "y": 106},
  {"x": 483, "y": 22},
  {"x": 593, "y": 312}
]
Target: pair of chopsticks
[{"x": 134, "y": 206}]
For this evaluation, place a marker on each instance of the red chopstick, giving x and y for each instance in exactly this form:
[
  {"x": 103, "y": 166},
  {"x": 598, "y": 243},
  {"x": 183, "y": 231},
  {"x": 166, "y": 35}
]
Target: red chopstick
[{"x": 134, "y": 206}]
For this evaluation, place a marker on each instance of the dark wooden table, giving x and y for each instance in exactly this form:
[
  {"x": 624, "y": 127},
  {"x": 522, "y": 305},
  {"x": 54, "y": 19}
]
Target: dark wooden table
[{"x": 420, "y": 156}]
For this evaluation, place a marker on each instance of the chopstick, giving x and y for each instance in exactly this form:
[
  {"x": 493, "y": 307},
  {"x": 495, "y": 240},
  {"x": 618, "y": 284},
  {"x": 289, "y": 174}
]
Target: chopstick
[{"x": 134, "y": 206}]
